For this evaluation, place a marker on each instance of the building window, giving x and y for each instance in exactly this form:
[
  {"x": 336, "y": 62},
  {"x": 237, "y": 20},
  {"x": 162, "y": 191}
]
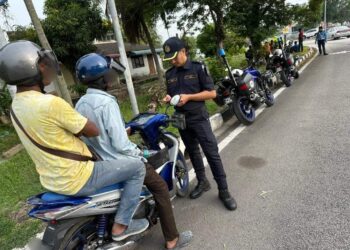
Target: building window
[{"x": 137, "y": 62}]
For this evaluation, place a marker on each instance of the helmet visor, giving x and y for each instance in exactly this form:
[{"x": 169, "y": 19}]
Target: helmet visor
[{"x": 117, "y": 66}]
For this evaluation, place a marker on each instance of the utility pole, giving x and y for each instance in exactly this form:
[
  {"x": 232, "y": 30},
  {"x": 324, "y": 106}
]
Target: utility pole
[
  {"x": 60, "y": 83},
  {"x": 325, "y": 15},
  {"x": 123, "y": 58}
]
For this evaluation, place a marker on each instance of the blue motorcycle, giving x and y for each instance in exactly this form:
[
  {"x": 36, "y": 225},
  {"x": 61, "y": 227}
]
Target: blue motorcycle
[
  {"x": 85, "y": 222},
  {"x": 243, "y": 91}
]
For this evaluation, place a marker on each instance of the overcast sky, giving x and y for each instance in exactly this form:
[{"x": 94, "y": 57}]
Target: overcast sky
[{"x": 20, "y": 16}]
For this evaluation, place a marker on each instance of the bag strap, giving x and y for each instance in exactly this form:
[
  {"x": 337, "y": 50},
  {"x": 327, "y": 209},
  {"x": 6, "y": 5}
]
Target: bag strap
[{"x": 56, "y": 152}]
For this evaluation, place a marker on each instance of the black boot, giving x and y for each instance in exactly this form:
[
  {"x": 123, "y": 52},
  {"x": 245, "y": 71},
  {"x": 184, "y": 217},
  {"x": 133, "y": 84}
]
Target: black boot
[
  {"x": 202, "y": 186},
  {"x": 227, "y": 199}
]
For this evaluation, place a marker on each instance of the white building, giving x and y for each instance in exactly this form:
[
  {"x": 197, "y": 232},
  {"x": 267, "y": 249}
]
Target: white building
[{"x": 140, "y": 59}]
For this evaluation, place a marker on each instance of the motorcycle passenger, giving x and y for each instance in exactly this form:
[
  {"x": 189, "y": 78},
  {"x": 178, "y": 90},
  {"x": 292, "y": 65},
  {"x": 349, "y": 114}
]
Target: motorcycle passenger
[
  {"x": 49, "y": 129},
  {"x": 191, "y": 81},
  {"x": 113, "y": 143}
]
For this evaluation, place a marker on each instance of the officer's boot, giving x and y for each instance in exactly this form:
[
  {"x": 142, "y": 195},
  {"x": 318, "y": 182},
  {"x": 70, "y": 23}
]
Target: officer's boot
[
  {"x": 227, "y": 199},
  {"x": 202, "y": 186}
]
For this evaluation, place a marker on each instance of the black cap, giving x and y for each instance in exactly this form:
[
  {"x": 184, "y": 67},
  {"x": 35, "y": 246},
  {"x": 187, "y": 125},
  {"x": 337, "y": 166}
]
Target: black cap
[{"x": 171, "y": 47}]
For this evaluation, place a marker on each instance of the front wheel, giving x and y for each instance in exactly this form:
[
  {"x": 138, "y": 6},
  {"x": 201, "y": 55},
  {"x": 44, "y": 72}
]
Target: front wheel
[
  {"x": 286, "y": 81},
  {"x": 243, "y": 110},
  {"x": 296, "y": 74},
  {"x": 181, "y": 174}
]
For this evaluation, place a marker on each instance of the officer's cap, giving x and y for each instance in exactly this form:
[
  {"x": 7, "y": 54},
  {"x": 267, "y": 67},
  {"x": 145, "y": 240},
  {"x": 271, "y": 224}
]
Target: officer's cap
[{"x": 171, "y": 47}]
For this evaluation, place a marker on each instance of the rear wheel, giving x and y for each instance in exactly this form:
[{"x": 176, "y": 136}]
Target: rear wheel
[
  {"x": 270, "y": 98},
  {"x": 243, "y": 110},
  {"x": 286, "y": 81},
  {"x": 81, "y": 236}
]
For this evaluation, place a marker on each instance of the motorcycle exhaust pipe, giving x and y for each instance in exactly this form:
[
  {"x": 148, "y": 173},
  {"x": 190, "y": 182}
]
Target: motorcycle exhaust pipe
[{"x": 253, "y": 97}]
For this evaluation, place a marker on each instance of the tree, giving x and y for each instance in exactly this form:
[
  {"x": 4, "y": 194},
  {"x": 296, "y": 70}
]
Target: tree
[
  {"x": 338, "y": 11},
  {"x": 72, "y": 26},
  {"x": 206, "y": 41},
  {"x": 23, "y": 33},
  {"x": 258, "y": 19},
  {"x": 199, "y": 11},
  {"x": 307, "y": 15},
  {"x": 139, "y": 18}
]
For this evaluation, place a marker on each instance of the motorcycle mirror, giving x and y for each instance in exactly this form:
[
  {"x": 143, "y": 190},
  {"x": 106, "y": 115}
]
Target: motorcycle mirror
[{"x": 175, "y": 100}]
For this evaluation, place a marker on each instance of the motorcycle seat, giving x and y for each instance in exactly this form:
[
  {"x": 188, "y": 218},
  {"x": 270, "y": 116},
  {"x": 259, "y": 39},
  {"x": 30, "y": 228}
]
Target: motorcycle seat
[{"x": 51, "y": 196}]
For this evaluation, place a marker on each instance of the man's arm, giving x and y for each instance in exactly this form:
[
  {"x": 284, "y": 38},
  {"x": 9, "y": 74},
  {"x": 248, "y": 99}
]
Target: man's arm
[{"x": 89, "y": 130}]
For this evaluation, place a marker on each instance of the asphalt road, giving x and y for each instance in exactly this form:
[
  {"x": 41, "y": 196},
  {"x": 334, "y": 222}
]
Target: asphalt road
[{"x": 289, "y": 171}]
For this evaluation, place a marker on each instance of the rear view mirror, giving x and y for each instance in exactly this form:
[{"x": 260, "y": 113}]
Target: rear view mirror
[{"x": 175, "y": 100}]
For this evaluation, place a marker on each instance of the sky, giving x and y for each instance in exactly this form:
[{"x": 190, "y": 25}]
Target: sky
[{"x": 20, "y": 16}]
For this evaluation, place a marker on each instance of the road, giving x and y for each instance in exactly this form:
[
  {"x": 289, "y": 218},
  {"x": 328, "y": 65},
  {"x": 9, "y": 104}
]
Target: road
[{"x": 289, "y": 171}]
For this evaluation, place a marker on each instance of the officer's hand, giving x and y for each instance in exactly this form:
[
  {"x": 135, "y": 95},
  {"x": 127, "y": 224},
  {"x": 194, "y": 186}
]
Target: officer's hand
[
  {"x": 128, "y": 130},
  {"x": 167, "y": 99},
  {"x": 183, "y": 100}
]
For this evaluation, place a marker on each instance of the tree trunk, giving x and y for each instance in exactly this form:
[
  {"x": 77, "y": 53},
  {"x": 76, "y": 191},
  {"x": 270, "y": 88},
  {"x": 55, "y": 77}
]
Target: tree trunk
[
  {"x": 60, "y": 83},
  {"x": 153, "y": 50},
  {"x": 218, "y": 19}
]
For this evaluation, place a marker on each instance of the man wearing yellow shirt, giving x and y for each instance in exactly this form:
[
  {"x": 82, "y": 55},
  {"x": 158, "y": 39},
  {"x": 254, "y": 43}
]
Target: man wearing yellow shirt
[{"x": 49, "y": 122}]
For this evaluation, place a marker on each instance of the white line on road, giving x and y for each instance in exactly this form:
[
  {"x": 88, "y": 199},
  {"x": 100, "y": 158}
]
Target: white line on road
[{"x": 229, "y": 138}]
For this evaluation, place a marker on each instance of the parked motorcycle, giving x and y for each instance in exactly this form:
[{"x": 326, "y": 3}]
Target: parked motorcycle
[
  {"x": 283, "y": 66},
  {"x": 86, "y": 222},
  {"x": 243, "y": 91}
]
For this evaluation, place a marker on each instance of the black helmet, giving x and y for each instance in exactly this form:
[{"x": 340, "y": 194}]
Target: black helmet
[{"x": 19, "y": 63}]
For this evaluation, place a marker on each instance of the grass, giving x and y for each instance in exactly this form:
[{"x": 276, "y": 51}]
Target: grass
[
  {"x": 8, "y": 137},
  {"x": 304, "y": 52},
  {"x": 18, "y": 180}
]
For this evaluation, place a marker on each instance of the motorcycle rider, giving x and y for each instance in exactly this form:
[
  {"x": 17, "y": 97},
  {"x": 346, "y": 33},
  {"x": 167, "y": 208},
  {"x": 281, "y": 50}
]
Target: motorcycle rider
[
  {"x": 113, "y": 142},
  {"x": 49, "y": 129}
]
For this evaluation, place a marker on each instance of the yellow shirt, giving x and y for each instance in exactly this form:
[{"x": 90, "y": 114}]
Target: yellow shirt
[{"x": 52, "y": 122}]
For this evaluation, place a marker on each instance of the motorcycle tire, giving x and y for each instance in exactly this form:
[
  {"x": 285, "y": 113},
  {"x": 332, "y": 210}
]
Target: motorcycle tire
[
  {"x": 285, "y": 79},
  {"x": 69, "y": 241},
  {"x": 270, "y": 98},
  {"x": 181, "y": 173},
  {"x": 238, "y": 108},
  {"x": 296, "y": 74}
]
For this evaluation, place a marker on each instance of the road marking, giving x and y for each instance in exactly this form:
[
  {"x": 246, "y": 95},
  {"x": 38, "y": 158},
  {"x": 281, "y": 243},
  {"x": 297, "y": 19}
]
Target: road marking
[
  {"x": 228, "y": 139},
  {"x": 340, "y": 52}
]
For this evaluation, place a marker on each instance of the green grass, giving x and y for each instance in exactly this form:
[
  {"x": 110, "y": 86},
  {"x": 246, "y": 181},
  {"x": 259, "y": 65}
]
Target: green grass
[
  {"x": 8, "y": 138},
  {"x": 303, "y": 53},
  {"x": 18, "y": 180}
]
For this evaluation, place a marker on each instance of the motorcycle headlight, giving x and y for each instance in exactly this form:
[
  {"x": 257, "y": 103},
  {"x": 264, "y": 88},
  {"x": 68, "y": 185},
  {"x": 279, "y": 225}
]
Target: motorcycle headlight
[{"x": 251, "y": 84}]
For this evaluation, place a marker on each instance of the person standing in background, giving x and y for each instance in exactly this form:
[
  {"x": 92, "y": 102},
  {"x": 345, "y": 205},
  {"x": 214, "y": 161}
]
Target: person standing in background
[
  {"x": 301, "y": 39},
  {"x": 321, "y": 39}
]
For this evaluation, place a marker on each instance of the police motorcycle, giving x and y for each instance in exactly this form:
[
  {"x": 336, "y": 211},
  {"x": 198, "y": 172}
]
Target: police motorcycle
[
  {"x": 86, "y": 222},
  {"x": 243, "y": 91},
  {"x": 282, "y": 65}
]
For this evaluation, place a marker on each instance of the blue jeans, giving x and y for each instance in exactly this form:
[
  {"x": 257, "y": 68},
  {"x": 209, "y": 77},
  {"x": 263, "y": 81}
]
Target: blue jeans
[{"x": 130, "y": 171}]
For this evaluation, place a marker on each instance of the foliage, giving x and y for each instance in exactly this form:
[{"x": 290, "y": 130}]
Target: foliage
[
  {"x": 306, "y": 15},
  {"x": 206, "y": 41},
  {"x": 5, "y": 101},
  {"x": 24, "y": 33},
  {"x": 78, "y": 88},
  {"x": 191, "y": 43},
  {"x": 338, "y": 11},
  {"x": 199, "y": 11},
  {"x": 258, "y": 19},
  {"x": 71, "y": 27}
]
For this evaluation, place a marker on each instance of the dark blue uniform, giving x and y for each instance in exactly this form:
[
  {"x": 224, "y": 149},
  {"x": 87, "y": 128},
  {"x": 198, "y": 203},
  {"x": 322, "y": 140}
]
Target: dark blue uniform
[{"x": 193, "y": 78}]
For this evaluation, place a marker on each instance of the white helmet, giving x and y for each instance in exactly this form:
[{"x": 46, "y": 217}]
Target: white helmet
[{"x": 277, "y": 52}]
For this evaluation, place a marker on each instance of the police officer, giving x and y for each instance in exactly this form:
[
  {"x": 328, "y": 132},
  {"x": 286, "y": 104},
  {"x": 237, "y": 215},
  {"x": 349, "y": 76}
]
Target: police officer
[{"x": 191, "y": 81}]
